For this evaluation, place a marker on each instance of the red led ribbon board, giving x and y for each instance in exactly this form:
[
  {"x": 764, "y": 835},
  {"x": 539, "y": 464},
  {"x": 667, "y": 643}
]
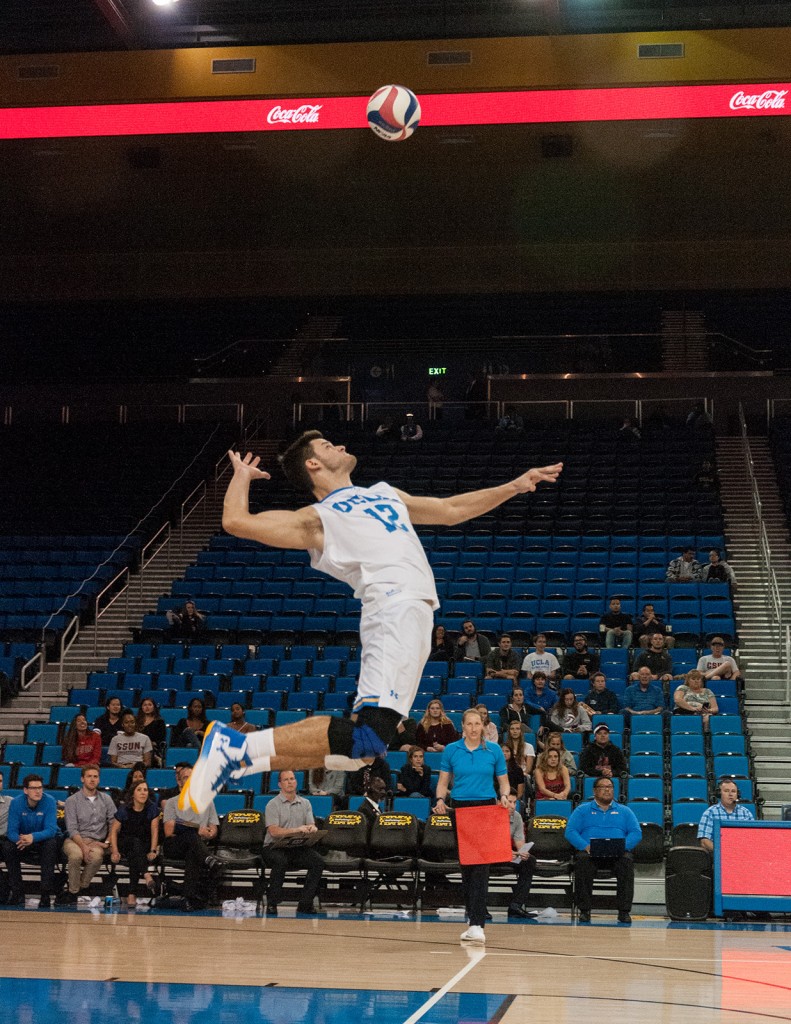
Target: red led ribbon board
[
  {"x": 188, "y": 117},
  {"x": 755, "y": 862}
]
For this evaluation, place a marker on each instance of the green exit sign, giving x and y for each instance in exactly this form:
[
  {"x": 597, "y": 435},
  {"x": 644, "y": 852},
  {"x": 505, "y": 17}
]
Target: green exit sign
[{"x": 437, "y": 371}]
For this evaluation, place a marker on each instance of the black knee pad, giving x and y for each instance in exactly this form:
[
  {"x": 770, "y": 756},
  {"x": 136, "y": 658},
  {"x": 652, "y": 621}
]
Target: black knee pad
[{"x": 383, "y": 721}]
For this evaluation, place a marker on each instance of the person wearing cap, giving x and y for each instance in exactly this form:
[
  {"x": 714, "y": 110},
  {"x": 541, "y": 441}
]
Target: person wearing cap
[
  {"x": 411, "y": 431},
  {"x": 718, "y": 665},
  {"x": 601, "y": 758},
  {"x": 684, "y": 569}
]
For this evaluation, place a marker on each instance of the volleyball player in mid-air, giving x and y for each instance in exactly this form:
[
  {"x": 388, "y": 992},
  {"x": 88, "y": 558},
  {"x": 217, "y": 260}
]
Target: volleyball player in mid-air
[{"x": 363, "y": 536}]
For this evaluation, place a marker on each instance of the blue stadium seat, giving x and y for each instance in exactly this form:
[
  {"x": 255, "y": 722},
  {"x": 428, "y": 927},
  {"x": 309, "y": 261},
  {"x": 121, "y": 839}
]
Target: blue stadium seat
[
  {"x": 646, "y": 765},
  {"x": 647, "y": 742},
  {"x": 225, "y": 802},
  {"x": 646, "y": 789},
  {"x": 689, "y": 789},
  {"x": 41, "y": 732},
  {"x": 554, "y": 808},
  {"x": 648, "y": 812},
  {"x": 726, "y": 724},
  {"x": 731, "y": 766},
  {"x": 687, "y": 813},
  {"x": 420, "y": 807},
  {"x": 688, "y": 765},
  {"x": 686, "y": 724}
]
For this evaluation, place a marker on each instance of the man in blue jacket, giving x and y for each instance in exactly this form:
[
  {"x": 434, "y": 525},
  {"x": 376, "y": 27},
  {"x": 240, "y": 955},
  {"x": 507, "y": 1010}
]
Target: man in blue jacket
[
  {"x": 603, "y": 818},
  {"x": 32, "y": 830}
]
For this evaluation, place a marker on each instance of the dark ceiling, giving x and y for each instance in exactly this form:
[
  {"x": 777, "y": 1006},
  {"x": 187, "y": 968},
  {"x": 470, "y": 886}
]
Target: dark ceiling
[{"x": 45, "y": 26}]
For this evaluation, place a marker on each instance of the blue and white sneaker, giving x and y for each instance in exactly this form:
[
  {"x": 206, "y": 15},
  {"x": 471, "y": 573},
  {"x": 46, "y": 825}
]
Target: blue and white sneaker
[{"x": 222, "y": 752}]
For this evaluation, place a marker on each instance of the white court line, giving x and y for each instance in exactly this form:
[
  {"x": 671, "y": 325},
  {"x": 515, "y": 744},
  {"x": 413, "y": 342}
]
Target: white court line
[
  {"x": 646, "y": 959},
  {"x": 475, "y": 955}
]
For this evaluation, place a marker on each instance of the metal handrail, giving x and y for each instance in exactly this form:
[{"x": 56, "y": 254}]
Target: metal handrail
[
  {"x": 97, "y": 614},
  {"x": 73, "y": 626},
  {"x": 202, "y": 491},
  {"x": 165, "y": 527},
  {"x": 24, "y": 682},
  {"x": 787, "y": 647}
]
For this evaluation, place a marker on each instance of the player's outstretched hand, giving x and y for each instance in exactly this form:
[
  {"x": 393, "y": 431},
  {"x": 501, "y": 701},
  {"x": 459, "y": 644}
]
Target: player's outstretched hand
[
  {"x": 247, "y": 466},
  {"x": 529, "y": 481}
]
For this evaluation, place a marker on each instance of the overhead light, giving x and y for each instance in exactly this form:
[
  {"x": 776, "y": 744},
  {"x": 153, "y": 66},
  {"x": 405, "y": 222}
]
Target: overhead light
[{"x": 164, "y": 3}]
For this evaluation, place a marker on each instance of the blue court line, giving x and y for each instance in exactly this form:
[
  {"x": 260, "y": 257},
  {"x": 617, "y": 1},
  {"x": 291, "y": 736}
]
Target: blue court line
[{"x": 51, "y": 1001}]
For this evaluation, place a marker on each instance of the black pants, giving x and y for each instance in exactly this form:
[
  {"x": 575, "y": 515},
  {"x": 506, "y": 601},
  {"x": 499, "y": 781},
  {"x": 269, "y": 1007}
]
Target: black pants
[
  {"x": 585, "y": 868},
  {"x": 136, "y": 853},
  {"x": 189, "y": 847},
  {"x": 281, "y": 861},
  {"x": 44, "y": 853},
  {"x": 524, "y": 879},
  {"x": 475, "y": 877}
]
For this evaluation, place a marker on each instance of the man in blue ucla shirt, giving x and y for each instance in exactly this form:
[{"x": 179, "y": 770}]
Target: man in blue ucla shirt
[
  {"x": 32, "y": 833},
  {"x": 603, "y": 818}
]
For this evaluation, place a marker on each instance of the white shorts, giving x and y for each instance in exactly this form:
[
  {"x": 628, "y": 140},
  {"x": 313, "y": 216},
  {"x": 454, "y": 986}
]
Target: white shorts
[{"x": 396, "y": 643}]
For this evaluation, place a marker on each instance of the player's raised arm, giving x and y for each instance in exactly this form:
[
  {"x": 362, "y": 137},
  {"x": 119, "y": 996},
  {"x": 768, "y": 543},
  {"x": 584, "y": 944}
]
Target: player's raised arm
[
  {"x": 461, "y": 507},
  {"x": 280, "y": 529}
]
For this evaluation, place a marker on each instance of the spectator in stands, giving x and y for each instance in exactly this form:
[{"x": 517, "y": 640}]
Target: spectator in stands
[
  {"x": 375, "y": 794},
  {"x": 5, "y": 803},
  {"x": 503, "y": 662},
  {"x": 523, "y": 753},
  {"x": 89, "y": 813},
  {"x": 289, "y": 815},
  {"x": 698, "y": 419},
  {"x": 718, "y": 665},
  {"x": 150, "y": 723},
  {"x": 603, "y": 818},
  {"x": 182, "y": 771},
  {"x": 387, "y": 431},
  {"x": 357, "y": 783},
  {"x": 81, "y": 745},
  {"x": 684, "y": 569},
  {"x": 405, "y": 735},
  {"x": 238, "y": 721},
  {"x": 718, "y": 571},
  {"x": 541, "y": 660},
  {"x": 137, "y": 773},
  {"x": 471, "y": 646},
  {"x": 188, "y": 732},
  {"x": 524, "y": 863},
  {"x": 32, "y": 832},
  {"x": 511, "y": 422},
  {"x": 515, "y": 711},
  {"x": 579, "y": 663},
  {"x": 129, "y": 746},
  {"x": 615, "y": 626},
  {"x": 602, "y": 758},
  {"x": 186, "y": 621},
  {"x": 599, "y": 699},
  {"x": 109, "y": 724},
  {"x": 645, "y": 697},
  {"x": 435, "y": 398},
  {"x": 655, "y": 658},
  {"x": 538, "y": 697},
  {"x": 411, "y": 429},
  {"x": 693, "y": 698},
  {"x": 327, "y": 782},
  {"x": 726, "y": 809},
  {"x": 707, "y": 478},
  {"x": 554, "y": 741},
  {"x": 186, "y": 837},
  {"x": 435, "y": 730},
  {"x": 551, "y": 777},
  {"x": 628, "y": 434},
  {"x": 134, "y": 834},
  {"x": 415, "y": 777},
  {"x": 441, "y": 645},
  {"x": 648, "y": 624},
  {"x": 567, "y": 715},
  {"x": 516, "y": 777},
  {"x": 490, "y": 733}
]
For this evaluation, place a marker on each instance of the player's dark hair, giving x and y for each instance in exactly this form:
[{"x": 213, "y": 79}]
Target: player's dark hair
[{"x": 293, "y": 460}]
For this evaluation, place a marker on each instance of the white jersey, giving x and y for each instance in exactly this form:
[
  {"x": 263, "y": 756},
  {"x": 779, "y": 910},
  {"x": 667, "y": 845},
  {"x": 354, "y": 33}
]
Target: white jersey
[
  {"x": 536, "y": 662},
  {"x": 370, "y": 543}
]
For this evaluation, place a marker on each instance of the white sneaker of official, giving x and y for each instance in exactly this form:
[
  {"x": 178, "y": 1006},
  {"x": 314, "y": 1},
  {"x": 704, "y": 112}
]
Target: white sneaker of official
[{"x": 473, "y": 934}]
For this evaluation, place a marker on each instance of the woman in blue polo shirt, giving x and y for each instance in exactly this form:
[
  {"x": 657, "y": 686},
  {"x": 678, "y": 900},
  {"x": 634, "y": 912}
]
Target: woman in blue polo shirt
[{"x": 473, "y": 764}]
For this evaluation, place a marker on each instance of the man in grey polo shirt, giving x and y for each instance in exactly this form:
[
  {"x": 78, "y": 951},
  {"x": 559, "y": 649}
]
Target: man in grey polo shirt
[
  {"x": 288, "y": 814},
  {"x": 186, "y": 834},
  {"x": 88, "y": 816}
]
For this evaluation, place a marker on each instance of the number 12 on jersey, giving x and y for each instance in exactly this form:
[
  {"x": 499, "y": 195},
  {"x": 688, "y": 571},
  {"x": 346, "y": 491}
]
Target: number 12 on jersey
[{"x": 387, "y": 516}]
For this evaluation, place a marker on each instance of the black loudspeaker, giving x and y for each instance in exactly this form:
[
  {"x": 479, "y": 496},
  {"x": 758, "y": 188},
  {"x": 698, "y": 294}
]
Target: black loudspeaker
[{"x": 688, "y": 883}]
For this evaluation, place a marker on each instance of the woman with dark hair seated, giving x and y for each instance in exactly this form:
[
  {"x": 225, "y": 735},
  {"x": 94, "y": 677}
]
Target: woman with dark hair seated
[
  {"x": 567, "y": 715},
  {"x": 109, "y": 724},
  {"x": 188, "y": 731},
  {"x": 415, "y": 776},
  {"x": 186, "y": 621},
  {"x": 137, "y": 773},
  {"x": 134, "y": 834},
  {"x": 441, "y": 647},
  {"x": 81, "y": 745},
  {"x": 151, "y": 724}
]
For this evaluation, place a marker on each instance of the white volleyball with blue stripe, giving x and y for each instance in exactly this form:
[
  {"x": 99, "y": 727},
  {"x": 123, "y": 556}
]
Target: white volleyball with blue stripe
[{"x": 393, "y": 112}]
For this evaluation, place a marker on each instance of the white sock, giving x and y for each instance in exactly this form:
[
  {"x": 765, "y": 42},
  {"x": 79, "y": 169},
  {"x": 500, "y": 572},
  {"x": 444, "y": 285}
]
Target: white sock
[
  {"x": 259, "y": 750},
  {"x": 258, "y": 765}
]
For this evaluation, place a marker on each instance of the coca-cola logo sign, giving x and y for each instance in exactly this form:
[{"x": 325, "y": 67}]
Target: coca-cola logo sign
[
  {"x": 772, "y": 99},
  {"x": 308, "y": 113}
]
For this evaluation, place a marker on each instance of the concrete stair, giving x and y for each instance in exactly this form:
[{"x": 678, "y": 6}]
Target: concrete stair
[
  {"x": 105, "y": 639},
  {"x": 760, "y": 646}
]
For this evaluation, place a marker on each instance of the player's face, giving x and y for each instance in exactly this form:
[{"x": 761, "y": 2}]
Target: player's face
[{"x": 333, "y": 457}]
